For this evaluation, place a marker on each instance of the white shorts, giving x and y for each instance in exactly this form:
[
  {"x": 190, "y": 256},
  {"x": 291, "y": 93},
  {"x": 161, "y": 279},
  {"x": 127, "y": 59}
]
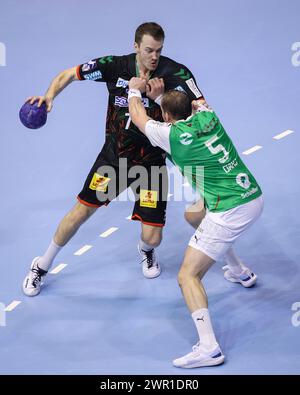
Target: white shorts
[{"x": 218, "y": 231}]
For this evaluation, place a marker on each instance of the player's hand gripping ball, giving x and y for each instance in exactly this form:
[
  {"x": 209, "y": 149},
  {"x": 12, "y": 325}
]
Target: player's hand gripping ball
[{"x": 32, "y": 116}]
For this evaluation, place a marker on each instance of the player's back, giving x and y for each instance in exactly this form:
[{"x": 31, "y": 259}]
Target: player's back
[{"x": 203, "y": 151}]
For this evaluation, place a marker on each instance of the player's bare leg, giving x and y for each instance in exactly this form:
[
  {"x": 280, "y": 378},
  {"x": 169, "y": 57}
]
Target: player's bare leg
[
  {"x": 72, "y": 222},
  {"x": 234, "y": 270},
  {"x": 195, "y": 213},
  {"x": 65, "y": 231},
  {"x": 192, "y": 270},
  {"x": 150, "y": 239},
  {"x": 207, "y": 351}
]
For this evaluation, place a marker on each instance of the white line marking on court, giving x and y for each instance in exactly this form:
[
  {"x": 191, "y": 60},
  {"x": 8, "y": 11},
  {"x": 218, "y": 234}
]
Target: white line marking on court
[
  {"x": 283, "y": 134},
  {"x": 108, "y": 232},
  {"x": 251, "y": 150},
  {"x": 58, "y": 268},
  {"x": 129, "y": 217},
  {"x": 13, "y": 305},
  {"x": 83, "y": 250}
]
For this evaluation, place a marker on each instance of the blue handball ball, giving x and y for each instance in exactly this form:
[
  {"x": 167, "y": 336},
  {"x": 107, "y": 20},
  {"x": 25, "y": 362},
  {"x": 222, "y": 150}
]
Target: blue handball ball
[{"x": 32, "y": 116}]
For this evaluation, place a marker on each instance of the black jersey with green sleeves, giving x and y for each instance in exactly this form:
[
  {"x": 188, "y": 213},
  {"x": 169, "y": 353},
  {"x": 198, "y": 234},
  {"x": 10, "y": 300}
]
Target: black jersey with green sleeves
[{"x": 123, "y": 139}]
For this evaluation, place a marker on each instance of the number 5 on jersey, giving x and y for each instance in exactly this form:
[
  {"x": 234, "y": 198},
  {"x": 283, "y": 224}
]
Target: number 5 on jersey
[{"x": 217, "y": 149}]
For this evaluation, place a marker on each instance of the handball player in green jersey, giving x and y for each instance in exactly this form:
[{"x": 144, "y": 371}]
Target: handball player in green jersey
[{"x": 232, "y": 200}]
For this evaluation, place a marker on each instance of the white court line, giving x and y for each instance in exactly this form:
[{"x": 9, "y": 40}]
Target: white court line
[
  {"x": 58, "y": 268},
  {"x": 13, "y": 305},
  {"x": 108, "y": 232},
  {"x": 83, "y": 250},
  {"x": 129, "y": 216},
  {"x": 283, "y": 134},
  {"x": 251, "y": 150}
]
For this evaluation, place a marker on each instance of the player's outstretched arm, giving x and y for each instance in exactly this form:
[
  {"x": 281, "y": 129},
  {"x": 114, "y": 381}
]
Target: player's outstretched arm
[{"x": 60, "y": 82}]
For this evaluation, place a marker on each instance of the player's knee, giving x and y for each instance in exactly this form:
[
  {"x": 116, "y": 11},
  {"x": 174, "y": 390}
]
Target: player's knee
[
  {"x": 183, "y": 277},
  {"x": 180, "y": 279},
  {"x": 153, "y": 239}
]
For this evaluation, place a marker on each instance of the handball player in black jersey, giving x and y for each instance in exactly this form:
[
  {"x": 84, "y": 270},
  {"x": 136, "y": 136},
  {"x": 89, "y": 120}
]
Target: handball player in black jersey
[{"x": 125, "y": 151}]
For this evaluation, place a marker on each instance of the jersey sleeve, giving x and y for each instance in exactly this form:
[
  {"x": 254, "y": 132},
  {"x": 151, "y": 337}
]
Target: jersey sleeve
[
  {"x": 182, "y": 79},
  {"x": 101, "y": 69},
  {"x": 158, "y": 134}
]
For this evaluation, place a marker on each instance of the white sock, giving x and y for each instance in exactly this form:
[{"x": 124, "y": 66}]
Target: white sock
[
  {"x": 143, "y": 246},
  {"x": 234, "y": 262},
  {"x": 204, "y": 327},
  {"x": 46, "y": 260}
]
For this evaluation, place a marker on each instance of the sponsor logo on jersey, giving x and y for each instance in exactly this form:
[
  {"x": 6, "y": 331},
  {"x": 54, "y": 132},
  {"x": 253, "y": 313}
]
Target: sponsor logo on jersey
[
  {"x": 186, "y": 138},
  {"x": 99, "y": 183},
  {"x": 95, "y": 75},
  {"x": 193, "y": 87},
  {"x": 243, "y": 180},
  {"x": 148, "y": 198},
  {"x": 179, "y": 88},
  {"x": 249, "y": 193},
  {"x": 122, "y": 101},
  {"x": 89, "y": 65},
  {"x": 121, "y": 83},
  {"x": 230, "y": 166}
]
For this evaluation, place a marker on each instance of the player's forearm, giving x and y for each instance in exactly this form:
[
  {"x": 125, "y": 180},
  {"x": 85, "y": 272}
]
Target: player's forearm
[
  {"x": 60, "y": 82},
  {"x": 137, "y": 112},
  {"x": 136, "y": 109}
]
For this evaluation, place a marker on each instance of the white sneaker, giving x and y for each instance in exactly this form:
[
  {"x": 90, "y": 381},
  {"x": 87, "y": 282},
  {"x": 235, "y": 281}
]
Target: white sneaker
[
  {"x": 247, "y": 278},
  {"x": 200, "y": 357},
  {"x": 33, "y": 281},
  {"x": 151, "y": 267}
]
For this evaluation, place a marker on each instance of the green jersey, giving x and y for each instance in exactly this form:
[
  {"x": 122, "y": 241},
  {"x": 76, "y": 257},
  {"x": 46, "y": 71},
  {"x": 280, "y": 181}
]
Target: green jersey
[{"x": 200, "y": 147}]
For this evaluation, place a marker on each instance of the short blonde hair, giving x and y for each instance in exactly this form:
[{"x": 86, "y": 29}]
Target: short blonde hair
[{"x": 177, "y": 104}]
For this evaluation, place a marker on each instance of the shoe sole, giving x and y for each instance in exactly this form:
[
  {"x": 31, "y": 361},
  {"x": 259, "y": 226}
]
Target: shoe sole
[
  {"x": 202, "y": 364},
  {"x": 156, "y": 275},
  {"x": 247, "y": 284}
]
